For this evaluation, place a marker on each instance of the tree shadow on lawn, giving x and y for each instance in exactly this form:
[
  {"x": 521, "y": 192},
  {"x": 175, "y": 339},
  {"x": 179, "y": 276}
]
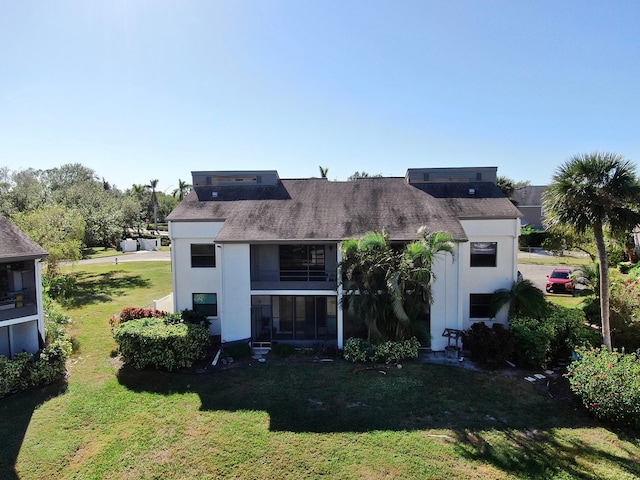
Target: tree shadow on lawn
[
  {"x": 338, "y": 397},
  {"x": 15, "y": 416},
  {"x": 94, "y": 288}
]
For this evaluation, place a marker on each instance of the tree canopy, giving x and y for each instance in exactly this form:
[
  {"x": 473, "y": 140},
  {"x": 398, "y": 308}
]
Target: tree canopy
[
  {"x": 388, "y": 286},
  {"x": 591, "y": 193}
]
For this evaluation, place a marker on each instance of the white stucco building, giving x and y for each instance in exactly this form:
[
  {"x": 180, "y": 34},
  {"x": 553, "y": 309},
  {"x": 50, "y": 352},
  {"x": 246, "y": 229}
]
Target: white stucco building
[
  {"x": 21, "y": 310},
  {"x": 259, "y": 254}
]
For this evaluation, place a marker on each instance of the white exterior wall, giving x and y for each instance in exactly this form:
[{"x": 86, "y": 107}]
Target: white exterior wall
[
  {"x": 187, "y": 280},
  {"x": 445, "y": 310},
  {"x": 235, "y": 308},
  {"x": 487, "y": 279}
]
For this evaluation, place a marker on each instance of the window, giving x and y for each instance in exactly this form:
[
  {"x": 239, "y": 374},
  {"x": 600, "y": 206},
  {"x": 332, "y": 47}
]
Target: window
[
  {"x": 480, "y": 305},
  {"x": 484, "y": 254},
  {"x": 206, "y": 303},
  {"x": 203, "y": 255}
]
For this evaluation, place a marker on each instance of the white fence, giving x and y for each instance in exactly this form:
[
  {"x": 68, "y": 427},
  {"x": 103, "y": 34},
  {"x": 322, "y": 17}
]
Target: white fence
[{"x": 165, "y": 304}]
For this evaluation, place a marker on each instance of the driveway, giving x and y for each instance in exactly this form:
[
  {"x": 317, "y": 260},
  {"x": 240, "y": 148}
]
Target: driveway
[
  {"x": 537, "y": 273},
  {"x": 141, "y": 256}
]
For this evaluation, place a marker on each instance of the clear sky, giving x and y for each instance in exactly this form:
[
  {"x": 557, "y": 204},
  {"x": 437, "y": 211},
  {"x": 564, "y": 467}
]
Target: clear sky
[{"x": 148, "y": 89}]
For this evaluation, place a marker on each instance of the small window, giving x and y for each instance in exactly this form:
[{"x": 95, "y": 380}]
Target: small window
[
  {"x": 484, "y": 254},
  {"x": 203, "y": 255},
  {"x": 206, "y": 303},
  {"x": 480, "y": 305}
]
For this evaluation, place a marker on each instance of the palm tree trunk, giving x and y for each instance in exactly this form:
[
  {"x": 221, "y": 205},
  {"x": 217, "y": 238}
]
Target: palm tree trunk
[{"x": 604, "y": 284}]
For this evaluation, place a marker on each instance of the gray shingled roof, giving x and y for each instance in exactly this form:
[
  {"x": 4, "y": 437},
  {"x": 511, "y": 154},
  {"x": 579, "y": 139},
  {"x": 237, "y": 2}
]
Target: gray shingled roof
[
  {"x": 317, "y": 209},
  {"x": 531, "y": 195},
  {"x": 15, "y": 244}
]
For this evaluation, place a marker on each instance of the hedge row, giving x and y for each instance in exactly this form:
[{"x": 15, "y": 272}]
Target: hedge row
[
  {"x": 152, "y": 342},
  {"x": 26, "y": 370},
  {"x": 360, "y": 350}
]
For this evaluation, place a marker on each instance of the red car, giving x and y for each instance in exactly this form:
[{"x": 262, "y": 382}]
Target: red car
[{"x": 560, "y": 281}]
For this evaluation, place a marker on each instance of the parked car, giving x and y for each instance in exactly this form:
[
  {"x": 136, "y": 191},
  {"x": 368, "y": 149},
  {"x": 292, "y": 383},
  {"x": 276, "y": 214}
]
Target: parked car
[{"x": 560, "y": 281}]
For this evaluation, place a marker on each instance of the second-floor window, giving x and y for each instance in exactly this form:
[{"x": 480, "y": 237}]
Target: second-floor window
[
  {"x": 203, "y": 255},
  {"x": 484, "y": 254}
]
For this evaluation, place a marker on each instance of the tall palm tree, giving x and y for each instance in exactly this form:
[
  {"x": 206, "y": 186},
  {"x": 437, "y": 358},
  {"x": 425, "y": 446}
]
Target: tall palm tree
[
  {"x": 183, "y": 189},
  {"x": 590, "y": 193},
  {"x": 154, "y": 199}
]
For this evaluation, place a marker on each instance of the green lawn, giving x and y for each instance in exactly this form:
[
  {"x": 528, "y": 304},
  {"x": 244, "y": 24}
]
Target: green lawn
[{"x": 298, "y": 419}]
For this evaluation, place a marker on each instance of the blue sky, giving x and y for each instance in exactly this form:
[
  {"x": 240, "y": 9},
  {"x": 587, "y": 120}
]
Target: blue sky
[{"x": 154, "y": 89}]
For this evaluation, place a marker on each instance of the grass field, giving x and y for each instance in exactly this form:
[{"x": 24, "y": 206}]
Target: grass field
[{"x": 287, "y": 419}]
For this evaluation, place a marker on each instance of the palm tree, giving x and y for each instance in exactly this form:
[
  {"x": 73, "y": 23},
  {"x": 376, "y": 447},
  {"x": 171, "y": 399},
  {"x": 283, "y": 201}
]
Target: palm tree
[
  {"x": 590, "y": 193},
  {"x": 390, "y": 288},
  {"x": 183, "y": 189},
  {"x": 154, "y": 199},
  {"x": 524, "y": 300},
  {"x": 323, "y": 171}
]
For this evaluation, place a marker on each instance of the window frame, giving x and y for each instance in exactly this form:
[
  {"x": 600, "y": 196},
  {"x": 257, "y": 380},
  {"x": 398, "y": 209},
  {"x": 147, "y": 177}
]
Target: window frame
[
  {"x": 484, "y": 306},
  {"x": 195, "y": 305},
  {"x": 211, "y": 256},
  {"x": 489, "y": 260}
]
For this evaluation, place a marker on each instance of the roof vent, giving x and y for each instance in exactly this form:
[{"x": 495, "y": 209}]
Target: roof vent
[
  {"x": 214, "y": 194},
  {"x": 472, "y": 191}
]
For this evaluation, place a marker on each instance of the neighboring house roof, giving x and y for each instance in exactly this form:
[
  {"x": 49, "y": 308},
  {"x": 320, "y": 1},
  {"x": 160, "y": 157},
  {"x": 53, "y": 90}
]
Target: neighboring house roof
[
  {"x": 318, "y": 209},
  {"x": 15, "y": 244},
  {"x": 529, "y": 196}
]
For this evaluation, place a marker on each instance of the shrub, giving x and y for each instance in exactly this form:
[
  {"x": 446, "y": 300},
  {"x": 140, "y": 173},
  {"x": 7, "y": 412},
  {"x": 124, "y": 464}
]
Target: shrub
[
  {"x": 135, "y": 313},
  {"x": 152, "y": 342},
  {"x": 238, "y": 349},
  {"x": 283, "y": 350},
  {"x": 61, "y": 287},
  {"x": 393, "y": 351},
  {"x": 489, "y": 347},
  {"x": 634, "y": 273},
  {"x": 625, "y": 315},
  {"x": 25, "y": 370},
  {"x": 359, "y": 350},
  {"x": 607, "y": 384},
  {"x": 624, "y": 267},
  {"x": 533, "y": 341},
  {"x": 539, "y": 341},
  {"x": 197, "y": 318}
]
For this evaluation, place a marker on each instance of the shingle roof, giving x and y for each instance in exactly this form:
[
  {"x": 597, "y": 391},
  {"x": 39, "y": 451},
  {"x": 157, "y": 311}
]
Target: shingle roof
[
  {"x": 15, "y": 244},
  {"x": 317, "y": 209},
  {"x": 531, "y": 195}
]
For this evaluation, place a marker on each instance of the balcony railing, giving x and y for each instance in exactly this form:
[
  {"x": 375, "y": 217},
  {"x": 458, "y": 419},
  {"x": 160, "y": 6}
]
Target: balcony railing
[{"x": 293, "y": 279}]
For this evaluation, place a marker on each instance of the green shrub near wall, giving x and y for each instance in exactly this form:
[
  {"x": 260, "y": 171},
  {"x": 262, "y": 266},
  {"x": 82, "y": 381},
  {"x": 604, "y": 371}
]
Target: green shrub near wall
[
  {"x": 151, "y": 342},
  {"x": 359, "y": 350},
  {"x": 26, "y": 370}
]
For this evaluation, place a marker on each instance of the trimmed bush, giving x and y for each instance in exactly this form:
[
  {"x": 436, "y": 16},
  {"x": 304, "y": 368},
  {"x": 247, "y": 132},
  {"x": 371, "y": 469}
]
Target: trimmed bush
[
  {"x": 533, "y": 342},
  {"x": 26, "y": 371},
  {"x": 540, "y": 341},
  {"x": 150, "y": 342},
  {"x": 359, "y": 350},
  {"x": 489, "y": 347},
  {"x": 608, "y": 385},
  {"x": 135, "y": 313}
]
